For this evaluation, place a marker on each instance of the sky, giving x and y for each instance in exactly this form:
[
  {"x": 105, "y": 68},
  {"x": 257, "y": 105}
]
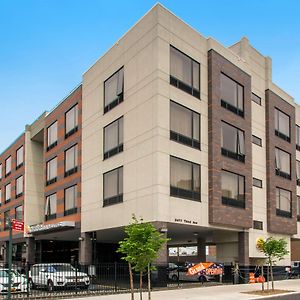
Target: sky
[{"x": 46, "y": 45}]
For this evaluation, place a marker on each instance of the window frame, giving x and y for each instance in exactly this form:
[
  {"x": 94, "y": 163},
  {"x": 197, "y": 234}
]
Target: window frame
[
  {"x": 277, "y": 131},
  {"x": 298, "y": 137},
  {"x": 256, "y": 138},
  {"x": 258, "y": 181},
  {"x": 120, "y": 147},
  {"x": 255, "y": 98},
  {"x": 76, "y": 158},
  {"x": 178, "y": 83},
  {"x": 16, "y": 212},
  {"x": 19, "y": 164},
  {"x": 16, "y": 186},
  {"x": 75, "y": 128},
  {"x": 72, "y": 210},
  {"x": 298, "y": 208},
  {"x": 120, "y": 97},
  {"x": 280, "y": 212},
  {"x": 9, "y": 172},
  {"x": 54, "y": 179},
  {"x": 181, "y": 138},
  {"x": 278, "y": 171},
  {"x": 118, "y": 198},
  {"x": 53, "y": 144},
  {"x": 7, "y": 200},
  {"x": 47, "y": 205},
  {"x": 183, "y": 193}
]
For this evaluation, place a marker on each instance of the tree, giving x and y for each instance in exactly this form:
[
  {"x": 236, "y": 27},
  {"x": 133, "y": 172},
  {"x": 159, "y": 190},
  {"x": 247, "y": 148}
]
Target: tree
[
  {"x": 140, "y": 249},
  {"x": 273, "y": 250}
]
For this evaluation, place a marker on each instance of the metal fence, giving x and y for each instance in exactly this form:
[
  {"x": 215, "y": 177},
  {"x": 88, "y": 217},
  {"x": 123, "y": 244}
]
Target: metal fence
[{"x": 61, "y": 279}]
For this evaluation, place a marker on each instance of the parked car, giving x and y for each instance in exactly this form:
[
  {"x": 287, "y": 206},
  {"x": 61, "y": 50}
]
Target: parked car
[
  {"x": 18, "y": 281},
  {"x": 57, "y": 276},
  {"x": 176, "y": 273},
  {"x": 295, "y": 268}
]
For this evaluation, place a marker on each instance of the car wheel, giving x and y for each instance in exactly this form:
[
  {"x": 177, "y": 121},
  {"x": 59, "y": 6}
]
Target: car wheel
[
  {"x": 174, "y": 277},
  {"x": 202, "y": 278},
  {"x": 50, "y": 286}
]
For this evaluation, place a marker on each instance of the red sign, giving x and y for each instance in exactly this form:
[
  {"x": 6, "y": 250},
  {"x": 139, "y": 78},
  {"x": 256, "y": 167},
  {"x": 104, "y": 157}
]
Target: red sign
[{"x": 17, "y": 225}]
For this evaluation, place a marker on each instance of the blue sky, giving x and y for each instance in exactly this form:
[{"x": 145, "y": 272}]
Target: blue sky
[{"x": 46, "y": 45}]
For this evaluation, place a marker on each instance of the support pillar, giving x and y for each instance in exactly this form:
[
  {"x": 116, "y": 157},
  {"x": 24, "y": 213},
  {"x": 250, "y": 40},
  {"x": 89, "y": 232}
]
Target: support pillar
[
  {"x": 85, "y": 248},
  {"x": 243, "y": 244},
  {"x": 30, "y": 250},
  {"x": 201, "y": 248}
]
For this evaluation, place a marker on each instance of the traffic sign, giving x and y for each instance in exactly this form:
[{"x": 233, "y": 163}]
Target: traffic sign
[{"x": 17, "y": 225}]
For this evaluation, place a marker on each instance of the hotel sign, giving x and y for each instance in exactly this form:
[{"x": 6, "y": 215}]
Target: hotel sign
[{"x": 40, "y": 228}]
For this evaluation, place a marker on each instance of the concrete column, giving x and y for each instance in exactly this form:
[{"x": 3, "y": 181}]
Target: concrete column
[
  {"x": 85, "y": 248},
  {"x": 201, "y": 249},
  {"x": 243, "y": 239},
  {"x": 162, "y": 258},
  {"x": 30, "y": 250}
]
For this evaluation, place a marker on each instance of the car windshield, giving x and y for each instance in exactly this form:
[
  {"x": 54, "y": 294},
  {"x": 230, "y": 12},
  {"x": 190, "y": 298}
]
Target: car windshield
[{"x": 59, "y": 268}]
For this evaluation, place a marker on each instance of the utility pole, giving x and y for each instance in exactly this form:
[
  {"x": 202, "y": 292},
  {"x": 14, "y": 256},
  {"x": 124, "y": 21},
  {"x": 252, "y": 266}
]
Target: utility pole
[{"x": 9, "y": 258}]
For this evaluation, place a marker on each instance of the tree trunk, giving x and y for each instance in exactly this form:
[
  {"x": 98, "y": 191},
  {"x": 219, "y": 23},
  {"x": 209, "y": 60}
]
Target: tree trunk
[
  {"x": 272, "y": 278},
  {"x": 262, "y": 279},
  {"x": 149, "y": 283},
  {"x": 141, "y": 285},
  {"x": 131, "y": 281}
]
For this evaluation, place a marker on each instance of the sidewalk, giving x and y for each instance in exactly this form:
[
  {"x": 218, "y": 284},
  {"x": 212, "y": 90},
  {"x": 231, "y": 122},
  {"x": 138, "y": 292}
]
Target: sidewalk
[{"x": 226, "y": 292}]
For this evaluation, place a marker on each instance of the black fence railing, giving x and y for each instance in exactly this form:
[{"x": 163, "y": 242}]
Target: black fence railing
[{"x": 47, "y": 280}]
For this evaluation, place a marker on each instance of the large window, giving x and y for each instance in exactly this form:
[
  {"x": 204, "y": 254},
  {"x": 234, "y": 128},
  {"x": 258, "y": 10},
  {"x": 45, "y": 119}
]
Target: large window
[
  {"x": 298, "y": 208},
  {"x": 297, "y": 137},
  {"x": 283, "y": 203},
  {"x": 19, "y": 213},
  {"x": 185, "y": 125},
  {"x": 185, "y": 72},
  {"x": 71, "y": 118},
  {"x": 7, "y": 166},
  {"x": 52, "y": 136},
  {"x": 282, "y": 163},
  {"x": 113, "y": 138},
  {"x": 113, "y": 90},
  {"x": 6, "y": 219},
  {"x": 71, "y": 160},
  {"x": 71, "y": 200},
  {"x": 52, "y": 171},
  {"x": 20, "y": 157},
  {"x": 282, "y": 124},
  {"x": 50, "y": 207},
  {"x": 113, "y": 186},
  {"x": 233, "y": 142},
  {"x": 298, "y": 172},
  {"x": 233, "y": 189},
  {"x": 19, "y": 186},
  {"x": 232, "y": 95},
  {"x": 7, "y": 193},
  {"x": 185, "y": 179}
]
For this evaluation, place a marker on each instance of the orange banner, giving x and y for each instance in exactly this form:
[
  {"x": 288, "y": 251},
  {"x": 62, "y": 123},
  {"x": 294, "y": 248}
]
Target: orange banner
[{"x": 206, "y": 268}]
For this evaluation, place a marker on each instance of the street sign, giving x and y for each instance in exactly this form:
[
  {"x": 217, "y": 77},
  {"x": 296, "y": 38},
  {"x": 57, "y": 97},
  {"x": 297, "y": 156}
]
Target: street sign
[{"x": 17, "y": 225}]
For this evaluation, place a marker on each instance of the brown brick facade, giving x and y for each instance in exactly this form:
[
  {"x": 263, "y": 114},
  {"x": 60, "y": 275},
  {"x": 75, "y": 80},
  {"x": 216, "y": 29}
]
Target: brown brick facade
[
  {"x": 279, "y": 224},
  {"x": 220, "y": 214}
]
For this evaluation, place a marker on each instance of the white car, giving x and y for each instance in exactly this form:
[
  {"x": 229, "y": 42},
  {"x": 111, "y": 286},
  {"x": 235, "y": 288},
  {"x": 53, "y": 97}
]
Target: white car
[
  {"x": 57, "y": 276},
  {"x": 18, "y": 281}
]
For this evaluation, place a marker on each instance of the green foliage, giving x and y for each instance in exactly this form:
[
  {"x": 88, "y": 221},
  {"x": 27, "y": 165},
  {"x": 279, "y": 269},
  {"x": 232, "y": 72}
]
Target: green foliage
[
  {"x": 141, "y": 244},
  {"x": 274, "y": 249}
]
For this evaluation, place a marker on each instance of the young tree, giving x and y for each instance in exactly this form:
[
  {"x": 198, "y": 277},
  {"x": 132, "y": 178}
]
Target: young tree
[
  {"x": 273, "y": 250},
  {"x": 140, "y": 248}
]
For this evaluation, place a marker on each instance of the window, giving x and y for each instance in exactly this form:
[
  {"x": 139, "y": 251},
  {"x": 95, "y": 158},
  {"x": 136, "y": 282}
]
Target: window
[
  {"x": 51, "y": 171},
  {"x": 71, "y": 118},
  {"x": 185, "y": 179},
  {"x": 257, "y": 225},
  {"x": 256, "y": 99},
  {"x": 232, "y": 95},
  {"x": 298, "y": 172},
  {"x": 71, "y": 200},
  {"x": 283, "y": 203},
  {"x": 50, "y": 207},
  {"x": 256, "y": 140},
  {"x": 184, "y": 73},
  {"x": 0, "y": 171},
  {"x": 282, "y": 163},
  {"x": 0, "y": 197},
  {"x": 113, "y": 186},
  {"x": 19, "y": 186},
  {"x": 71, "y": 160},
  {"x": 6, "y": 220},
  {"x": 113, "y": 138},
  {"x": 52, "y": 136},
  {"x": 282, "y": 125},
  {"x": 233, "y": 189},
  {"x": 114, "y": 90},
  {"x": 19, "y": 213},
  {"x": 7, "y": 166},
  {"x": 185, "y": 125},
  {"x": 7, "y": 193},
  {"x": 20, "y": 157},
  {"x": 257, "y": 182},
  {"x": 298, "y": 208},
  {"x": 233, "y": 142},
  {"x": 297, "y": 137}
]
